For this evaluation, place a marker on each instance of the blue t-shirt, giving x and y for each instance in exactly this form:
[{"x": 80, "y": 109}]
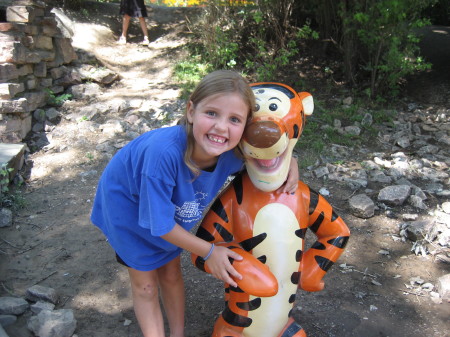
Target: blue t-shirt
[{"x": 146, "y": 188}]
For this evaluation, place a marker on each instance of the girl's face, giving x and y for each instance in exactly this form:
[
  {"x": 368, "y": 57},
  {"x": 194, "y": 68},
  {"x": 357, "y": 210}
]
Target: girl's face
[{"x": 218, "y": 123}]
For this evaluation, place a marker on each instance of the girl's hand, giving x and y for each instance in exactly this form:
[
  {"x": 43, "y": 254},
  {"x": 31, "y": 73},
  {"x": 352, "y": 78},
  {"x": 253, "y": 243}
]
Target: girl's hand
[
  {"x": 290, "y": 186},
  {"x": 220, "y": 266}
]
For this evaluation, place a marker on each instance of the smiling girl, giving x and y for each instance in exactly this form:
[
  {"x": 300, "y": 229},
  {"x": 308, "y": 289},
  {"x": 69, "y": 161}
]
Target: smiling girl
[{"x": 156, "y": 189}]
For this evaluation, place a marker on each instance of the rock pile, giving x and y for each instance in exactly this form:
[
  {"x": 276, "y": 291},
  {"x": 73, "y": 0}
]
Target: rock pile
[
  {"x": 413, "y": 172},
  {"x": 38, "y": 305}
]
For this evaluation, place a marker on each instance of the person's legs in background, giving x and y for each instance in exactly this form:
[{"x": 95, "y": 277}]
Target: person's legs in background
[
  {"x": 125, "y": 25},
  {"x": 143, "y": 24}
]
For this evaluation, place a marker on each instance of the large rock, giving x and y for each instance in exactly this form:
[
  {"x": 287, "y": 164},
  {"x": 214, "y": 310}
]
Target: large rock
[{"x": 58, "y": 323}]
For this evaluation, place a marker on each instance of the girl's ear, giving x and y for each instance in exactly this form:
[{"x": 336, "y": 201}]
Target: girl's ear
[{"x": 190, "y": 112}]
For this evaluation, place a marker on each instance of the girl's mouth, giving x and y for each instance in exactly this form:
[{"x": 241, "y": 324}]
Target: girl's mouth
[{"x": 217, "y": 139}]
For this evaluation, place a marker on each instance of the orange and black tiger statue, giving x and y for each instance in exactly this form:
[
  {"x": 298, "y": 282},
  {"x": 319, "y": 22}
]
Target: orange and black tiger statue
[{"x": 267, "y": 228}]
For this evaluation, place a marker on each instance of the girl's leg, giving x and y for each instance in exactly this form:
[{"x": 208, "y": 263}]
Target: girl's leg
[
  {"x": 172, "y": 293},
  {"x": 144, "y": 287}
]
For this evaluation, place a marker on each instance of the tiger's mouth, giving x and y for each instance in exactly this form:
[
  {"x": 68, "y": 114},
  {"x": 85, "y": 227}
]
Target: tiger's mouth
[{"x": 269, "y": 165}]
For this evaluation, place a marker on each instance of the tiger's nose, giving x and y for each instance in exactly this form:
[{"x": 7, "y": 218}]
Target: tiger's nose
[{"x": 262, "y": 134}]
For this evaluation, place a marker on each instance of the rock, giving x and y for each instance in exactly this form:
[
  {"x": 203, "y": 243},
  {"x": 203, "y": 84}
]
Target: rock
[
  {"x": 13, "y": 305},
  {"x": 5, "y": 217},
  {"x": 443, "y": 287},
  {"x": 362, "y": 206},
  {"x": 417, "y": 202},
  {"x": 58, "y": 323},
  {"x": 367, "y": 120},
  {"x": 3, "y": 332},
  {"x": 39, "y": 306},
  {"x": 394, "y": 195},
  {"x": 416, "y": 230},
  {"x": 37, "y": 292},
  {"x": 446, "y": 207},
  {"x": 353, "y": 130},
  {"x": 321, "y": 172},
  {"x": 6, "y": 320},
  {"x": 347, "y": 101}
]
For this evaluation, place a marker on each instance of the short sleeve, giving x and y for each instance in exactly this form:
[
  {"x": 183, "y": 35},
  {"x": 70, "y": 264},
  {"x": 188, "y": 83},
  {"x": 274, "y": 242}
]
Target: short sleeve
[{"x": 156, "y": 209}]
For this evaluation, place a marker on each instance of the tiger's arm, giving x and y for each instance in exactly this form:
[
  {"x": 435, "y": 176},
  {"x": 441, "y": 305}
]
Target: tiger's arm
[
  {"x": 332, "y": 236},
  {"x": 216, "y": 228}
]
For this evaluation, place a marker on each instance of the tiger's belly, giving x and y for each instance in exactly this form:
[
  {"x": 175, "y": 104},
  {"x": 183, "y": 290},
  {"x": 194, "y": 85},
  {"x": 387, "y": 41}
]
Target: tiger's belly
[{"x": 280, "y": 247}]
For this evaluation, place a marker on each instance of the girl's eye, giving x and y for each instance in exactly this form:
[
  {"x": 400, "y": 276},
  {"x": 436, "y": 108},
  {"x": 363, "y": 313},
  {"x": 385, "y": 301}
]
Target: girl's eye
[
  {"x": 235, "y": 120},
  {"x": 210, "y": 113},
  {"x": 257, "y": 107},
  {"x": 273, "y": 107}
]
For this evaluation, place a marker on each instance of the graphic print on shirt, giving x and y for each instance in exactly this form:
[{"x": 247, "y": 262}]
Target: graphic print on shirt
[{"x": 191, "y": 211}]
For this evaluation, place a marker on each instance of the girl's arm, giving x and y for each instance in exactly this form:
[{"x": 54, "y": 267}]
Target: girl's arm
[
  {"x": 290, "y": 186},
  {"x": 218, "y": 262}
]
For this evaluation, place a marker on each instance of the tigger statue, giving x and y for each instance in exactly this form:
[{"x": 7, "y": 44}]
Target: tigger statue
[{"x": 267, "y": 228}]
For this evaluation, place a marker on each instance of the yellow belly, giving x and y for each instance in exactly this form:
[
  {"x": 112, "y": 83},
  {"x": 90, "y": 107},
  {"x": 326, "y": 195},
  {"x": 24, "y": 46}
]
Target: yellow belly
[{"x": 280, "y": 247}]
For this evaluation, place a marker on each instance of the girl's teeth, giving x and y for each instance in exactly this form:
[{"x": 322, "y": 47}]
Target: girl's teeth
[{"x": 217, "y": 140}]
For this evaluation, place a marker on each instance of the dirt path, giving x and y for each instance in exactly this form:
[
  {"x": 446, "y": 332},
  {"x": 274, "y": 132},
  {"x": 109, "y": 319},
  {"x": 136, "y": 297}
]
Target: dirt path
[{"x": 52, "y": 242}]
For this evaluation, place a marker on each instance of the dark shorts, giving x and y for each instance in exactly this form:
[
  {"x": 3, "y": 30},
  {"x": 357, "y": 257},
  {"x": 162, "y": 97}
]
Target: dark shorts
[
  {"x": 134, "y": 8},
  {"x": 122, "y": 262}
]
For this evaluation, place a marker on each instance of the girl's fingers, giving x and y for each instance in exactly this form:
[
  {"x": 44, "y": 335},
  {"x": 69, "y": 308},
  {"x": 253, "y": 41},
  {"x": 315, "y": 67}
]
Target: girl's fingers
[
  {"x": 235, "y": 255},
  {"x": 229, "y": 280}
]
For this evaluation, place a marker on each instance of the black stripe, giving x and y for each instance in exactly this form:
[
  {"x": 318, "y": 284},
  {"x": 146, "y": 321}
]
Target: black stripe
[
  {"x": 301, "y": 233},
  {"x": 313, "y": 200},
  {"x": 315, "y": 226},
  {"x": 318, "y": 245},
  {"x": 202, "y": 233},
  {"x": 296, "y": 131},
  {"x": 340, "y": 241},
  {"x": 235, "y": 319},
  {"x": 290, "y": 94},
  {"x": 238, "y": 189},
  {"x": 263, "y": 259},
  {"x": 251, "y": 243},
  {"x": 200, "y": 263},
  {"x": 295, "y": 277},
  {"x": 292, "y": 298},
  {"x": 223, "y": 232},
  {"x": 217, "y": 208},
  {"x": 236, "y": 289},
  {"x": 250, "y": 305},
  {"x": 298, "y": 255},
  {"x": 323, "y": 262},
  {"x": 334, "y": 216}
]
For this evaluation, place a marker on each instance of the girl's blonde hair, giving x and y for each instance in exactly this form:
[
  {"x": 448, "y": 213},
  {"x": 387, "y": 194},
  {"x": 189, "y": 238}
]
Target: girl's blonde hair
[{"x": 217, "y": 82}]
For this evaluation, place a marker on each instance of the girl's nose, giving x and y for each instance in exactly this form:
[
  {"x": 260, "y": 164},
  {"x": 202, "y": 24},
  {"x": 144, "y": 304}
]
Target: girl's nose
[{"x": 220, "y": 124}]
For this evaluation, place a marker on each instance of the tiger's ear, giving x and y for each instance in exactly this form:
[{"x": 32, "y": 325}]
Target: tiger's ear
[{"x": 307, "y": 102}]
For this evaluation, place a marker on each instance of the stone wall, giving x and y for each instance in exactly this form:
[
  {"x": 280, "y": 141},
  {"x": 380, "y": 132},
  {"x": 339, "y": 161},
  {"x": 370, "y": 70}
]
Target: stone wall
[{"x": 33, "y": 55}]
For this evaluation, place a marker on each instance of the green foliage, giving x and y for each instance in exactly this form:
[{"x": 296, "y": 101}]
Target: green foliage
[
  {"x": 188, "y": 73},
  {"x": 381, "y": 41},
  {"x": 4, "y": 177},
  {"x": 257, "y": 38},
  {"x": 12, "y": 199},
  {"x": 57, "y": 100}
]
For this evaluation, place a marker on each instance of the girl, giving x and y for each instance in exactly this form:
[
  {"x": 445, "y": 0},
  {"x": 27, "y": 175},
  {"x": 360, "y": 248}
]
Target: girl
[{"x": 156, "y": 188}]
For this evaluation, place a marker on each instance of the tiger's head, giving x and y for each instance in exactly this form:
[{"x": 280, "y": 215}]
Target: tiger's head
[{"x": 270, "y": 136}]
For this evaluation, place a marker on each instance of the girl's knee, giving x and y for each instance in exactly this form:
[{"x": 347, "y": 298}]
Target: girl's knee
[
  {"x": 171, "y": 278},
  {"x": 145, "y": 290}
]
